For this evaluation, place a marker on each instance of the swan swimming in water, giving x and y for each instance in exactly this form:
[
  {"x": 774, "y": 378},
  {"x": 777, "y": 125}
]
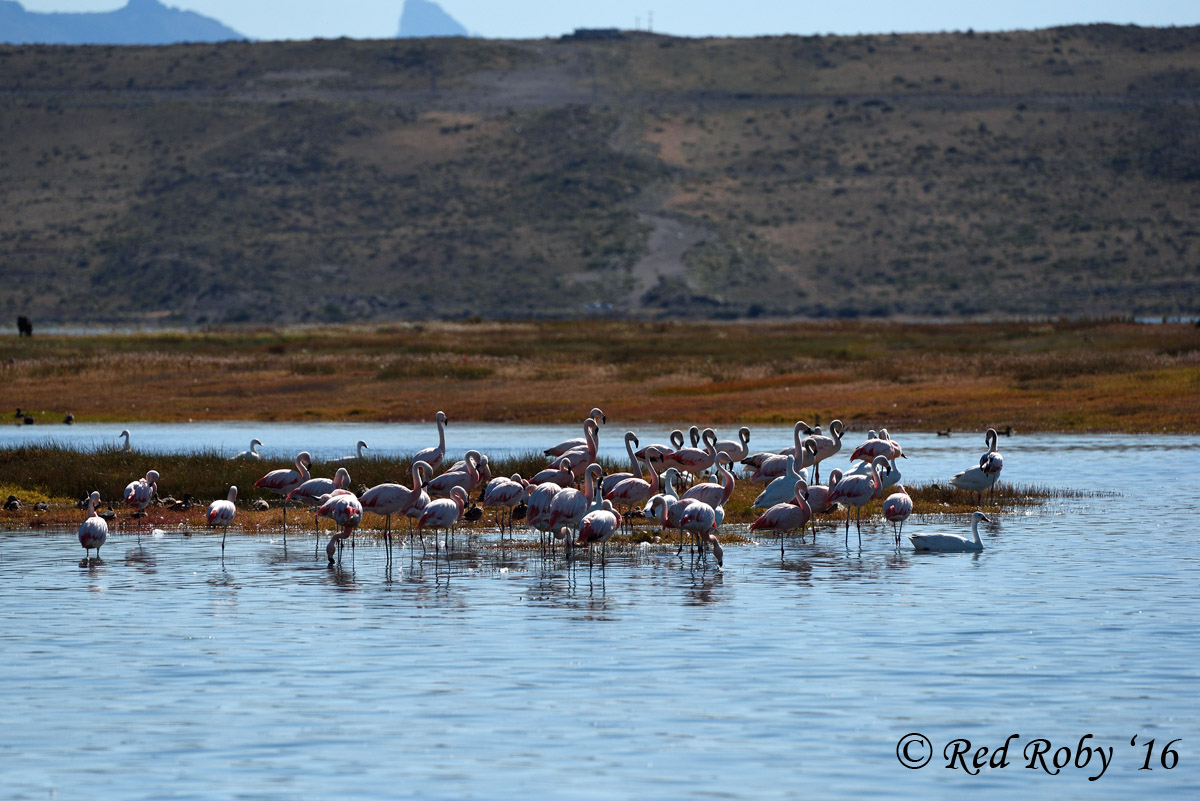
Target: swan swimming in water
[{"x": 951, "y": 542}]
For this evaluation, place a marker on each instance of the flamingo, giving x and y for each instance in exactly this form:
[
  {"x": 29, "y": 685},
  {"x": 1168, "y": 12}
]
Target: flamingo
[
  {"x": 711, "y": 493},
  {"x": 635, "y": 470},
  {"x": 560, "y": 474},
  {"x": 896, "y": 509},
  {"x": 417, "y": 502},
  {"x": 663, "y": 450},
  {"x": 598, "y": 527},
  {"x": 889, "y": 479},
  {"x": 571, "y": 444},
  {"x": 826, "y": 446},
  {"x": 951, "y": 542},
  {"x": 93, "y": 531},
  {"x": 124, "y": 433},
  {"x": 507, "y": 493},
  {"x": 882, "y": 445},
  {"x": 570, "y": 505},
  {"x": 388, "y": 499},
  {"x": 818, "y": 494},
  {"x": 702, "y": 521},
  {"x": 584, "y": 456},
  {"x": 433, "y": 456},
  {"x": 774, "y": 465},
  {"x": 467, "y": 477},
  {"x": 443, "y": 513},
  {"x": 537, "y": 513},
  {"x": 139, "y": 493},
  {"x": 634, "y": 491},
  {"x": 345, "y": 510},
  {"x": 857, "y": 491},
  {"x": 694, "y": 460},
  {"x": 282, "y": 482},
  {"x": 220, "y": 513},
  {"x": 309, "y": 493},
  {"x": 251, "y": 455},
  {"x": 784, "y": 517},
  {"x": 352, "y": 458},
  {"x": 737, "y": 450}
]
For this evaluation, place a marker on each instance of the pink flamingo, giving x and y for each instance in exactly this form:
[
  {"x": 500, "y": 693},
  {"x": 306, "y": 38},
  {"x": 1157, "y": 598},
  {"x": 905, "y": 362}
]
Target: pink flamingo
[
  {"x": 775, "y": 465},
  {"x": 882, "y": 445},
  {"x": 715, "y": 494},
  {"x": 896, "y": 509},
  {"x": 598, "y": 527},
  {"x": 857, "y": 491},
  {"x": 702, "y": 520},
  {"x": 784, "y": 517},
  {"x": 220, "y": 513},
  {"x": 309, "y": 493},
  {"x": 634, "y": 491},
  {"x": 346, "y": 511},
  {"x": 506, "y": 493},
  {"x": 93, "y": 531},
  {"x": 282, "y": 482},
  {"x": 570, "y": 505},
  {"x": 663, "y": 450},
  {"x": 737, "y": 450},
  {"x": 571, "y": 444},
  {"x": 826, "y": 446},
  {"x": 635, "y": 470},
  {"x": 443, "y": 513},
  {"x": 386, "y": 500},
  {"x": 433, "y": 456},
  {"x": 417, "y": 502},
  {"x": 818, "y": 494},
  {"x": 582, "y": 457},
  {"x": 537, "y": 514},
  {"x": 667, "y": 510},
  {"x": 139, "y": 494},
  {"x": 467, "y": 477},
  {"x": 559, "y": 474},
  {"x": 694, "y": 460}
]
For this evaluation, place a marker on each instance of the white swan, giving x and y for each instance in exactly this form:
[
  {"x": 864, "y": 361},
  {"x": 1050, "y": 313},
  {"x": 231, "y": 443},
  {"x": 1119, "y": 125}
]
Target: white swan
[
  {"x": 951, "y": 542},
  {"x": 125, "y": 433},
  {"x": 352, "y": 458},
  {"x": 251, "y": 455}
]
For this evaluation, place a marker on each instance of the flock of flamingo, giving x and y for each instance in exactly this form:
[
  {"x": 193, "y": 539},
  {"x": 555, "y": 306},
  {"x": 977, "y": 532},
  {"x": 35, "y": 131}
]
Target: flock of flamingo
[{"x": 573, "y": 501}]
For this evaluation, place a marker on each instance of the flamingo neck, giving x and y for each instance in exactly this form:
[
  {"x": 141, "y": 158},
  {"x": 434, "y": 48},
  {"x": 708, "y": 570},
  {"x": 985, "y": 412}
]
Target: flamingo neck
[{"x": 634, "y": 467}]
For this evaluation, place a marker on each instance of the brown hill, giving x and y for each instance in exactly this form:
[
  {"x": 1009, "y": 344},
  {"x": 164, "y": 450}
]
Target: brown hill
[{"x": 1050, "y": 172}]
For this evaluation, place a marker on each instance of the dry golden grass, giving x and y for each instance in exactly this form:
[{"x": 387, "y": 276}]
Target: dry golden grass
[{"x": 1102, "y": 376}]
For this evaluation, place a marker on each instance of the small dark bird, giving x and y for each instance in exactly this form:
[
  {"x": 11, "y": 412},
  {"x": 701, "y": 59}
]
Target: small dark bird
[
  {"x": 13, "y": 503},
  {"x": 473, "y": 514},
  {"x": 69, "y": 419}
]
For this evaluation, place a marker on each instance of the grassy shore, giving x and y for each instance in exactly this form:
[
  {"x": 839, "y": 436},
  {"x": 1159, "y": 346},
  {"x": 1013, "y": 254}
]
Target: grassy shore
[{"x": 1068, "y": 376}]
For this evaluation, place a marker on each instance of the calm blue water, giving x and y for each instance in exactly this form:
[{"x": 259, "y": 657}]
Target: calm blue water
[{"x": 167, "y": 672}]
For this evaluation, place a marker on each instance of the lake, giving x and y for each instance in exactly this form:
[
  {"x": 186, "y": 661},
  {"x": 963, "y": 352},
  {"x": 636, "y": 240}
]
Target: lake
[{"x": 167, "y": 671}]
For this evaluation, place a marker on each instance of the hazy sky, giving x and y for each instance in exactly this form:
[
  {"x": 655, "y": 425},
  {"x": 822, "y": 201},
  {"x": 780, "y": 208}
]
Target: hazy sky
[{"x": 306, "y": 19}]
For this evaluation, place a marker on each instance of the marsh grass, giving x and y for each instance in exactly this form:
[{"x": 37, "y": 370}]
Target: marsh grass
[{"x": 62, "y": 476}]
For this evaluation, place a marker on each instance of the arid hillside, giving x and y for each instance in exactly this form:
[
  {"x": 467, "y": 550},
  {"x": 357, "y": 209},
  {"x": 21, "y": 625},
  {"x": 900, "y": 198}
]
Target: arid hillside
[{"x": 1040, "y": 173}]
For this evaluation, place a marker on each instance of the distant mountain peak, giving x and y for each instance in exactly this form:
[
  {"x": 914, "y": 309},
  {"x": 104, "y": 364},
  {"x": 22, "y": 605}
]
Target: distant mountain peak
[
  {"x": 147, "y": 22},
  {"x": 426, "y": 18}
]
